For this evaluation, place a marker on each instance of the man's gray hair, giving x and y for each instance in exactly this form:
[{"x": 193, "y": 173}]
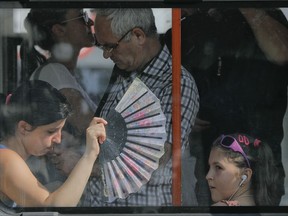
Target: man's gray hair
[{"x": 125, "y": 19}]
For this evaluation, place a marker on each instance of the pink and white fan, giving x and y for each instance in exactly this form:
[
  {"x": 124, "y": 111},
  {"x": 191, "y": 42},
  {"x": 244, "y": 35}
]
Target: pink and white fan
[{"x": 135, "y": 142}]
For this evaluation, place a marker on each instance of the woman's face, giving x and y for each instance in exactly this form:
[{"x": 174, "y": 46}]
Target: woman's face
[
  {"x": 41, "y": 140},
  {"x": 223, "y": 176},
  {"x": 77, "y": 32}
]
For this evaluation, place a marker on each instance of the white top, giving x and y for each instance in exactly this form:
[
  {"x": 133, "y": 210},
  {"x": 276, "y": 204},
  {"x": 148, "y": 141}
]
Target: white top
[{"x": 60, "y": 77}]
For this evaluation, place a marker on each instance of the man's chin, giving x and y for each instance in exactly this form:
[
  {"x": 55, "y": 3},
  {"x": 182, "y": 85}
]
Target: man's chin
[
  {"x": 120, "y": 66},
  {"x": 123, "y": 67}
]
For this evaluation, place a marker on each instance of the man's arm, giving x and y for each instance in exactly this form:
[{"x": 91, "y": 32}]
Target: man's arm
[
  {"x": 271, "y": 35},
  {"x": 167, "y": 154}
]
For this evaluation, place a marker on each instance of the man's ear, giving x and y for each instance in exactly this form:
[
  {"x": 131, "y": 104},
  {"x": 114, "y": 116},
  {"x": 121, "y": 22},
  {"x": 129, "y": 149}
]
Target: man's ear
[
  {"x": 24, "y": 127},
  {"x": 140, "y": 35}
]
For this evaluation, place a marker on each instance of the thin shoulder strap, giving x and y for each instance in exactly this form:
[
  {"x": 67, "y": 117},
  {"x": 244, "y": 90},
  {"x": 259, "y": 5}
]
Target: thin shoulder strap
[{"x": 3, "y": 146}]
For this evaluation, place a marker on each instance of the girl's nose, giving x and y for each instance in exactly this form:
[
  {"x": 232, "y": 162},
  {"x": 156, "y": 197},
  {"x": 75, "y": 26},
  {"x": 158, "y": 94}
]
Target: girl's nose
[{"x": 209, "y": 176}]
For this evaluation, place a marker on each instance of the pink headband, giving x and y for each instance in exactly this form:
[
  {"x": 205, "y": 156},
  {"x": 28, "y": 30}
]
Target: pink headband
[
  {"x": 246, "y": 141},
  {"x": 256, "y": 143}
]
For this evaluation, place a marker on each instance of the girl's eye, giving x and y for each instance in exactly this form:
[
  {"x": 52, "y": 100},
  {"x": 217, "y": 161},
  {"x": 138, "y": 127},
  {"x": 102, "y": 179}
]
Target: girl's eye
[
  {"x": 218, "y": 167},
  {"x": 51, "y": 132}
]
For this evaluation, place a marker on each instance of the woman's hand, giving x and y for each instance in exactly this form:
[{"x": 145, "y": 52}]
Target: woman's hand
[{"x": 95, "y": 134}]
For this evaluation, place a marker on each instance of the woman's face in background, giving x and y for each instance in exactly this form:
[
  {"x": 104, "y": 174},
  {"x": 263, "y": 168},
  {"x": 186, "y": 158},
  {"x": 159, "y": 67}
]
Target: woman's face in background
[{"x": 78, "y": 32}]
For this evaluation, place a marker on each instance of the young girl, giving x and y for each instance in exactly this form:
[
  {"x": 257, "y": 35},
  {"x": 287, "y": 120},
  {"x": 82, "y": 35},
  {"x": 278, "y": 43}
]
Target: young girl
[
  {"x": 242, "y": 172},
  {"x": 31, "y": 124}
]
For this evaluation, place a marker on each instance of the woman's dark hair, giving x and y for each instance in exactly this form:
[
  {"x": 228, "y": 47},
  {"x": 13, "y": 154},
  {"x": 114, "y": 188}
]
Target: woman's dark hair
[
  {"x": 37, "y": 103},
  {"x": 38, "y": 24},
  {"x": 264, "y": 171}
]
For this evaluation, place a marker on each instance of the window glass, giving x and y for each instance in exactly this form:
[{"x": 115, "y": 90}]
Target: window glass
[{"x": 236, "y": 60}]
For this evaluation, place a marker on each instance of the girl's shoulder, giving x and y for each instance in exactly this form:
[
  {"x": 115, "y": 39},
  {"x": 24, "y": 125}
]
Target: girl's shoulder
[
  {"x": 227, "y": 203},
  {"x": 231, "y": 202}
]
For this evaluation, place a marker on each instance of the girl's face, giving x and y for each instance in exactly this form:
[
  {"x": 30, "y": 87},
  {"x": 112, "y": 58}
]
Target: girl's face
[
  {"x": 223, "y": 176},
  {"x": 40, "y": 141}
]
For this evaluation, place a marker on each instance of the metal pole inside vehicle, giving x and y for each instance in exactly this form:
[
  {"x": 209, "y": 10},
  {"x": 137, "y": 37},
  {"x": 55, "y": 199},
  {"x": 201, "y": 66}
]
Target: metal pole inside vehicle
[{"x": 176, "y": 106}]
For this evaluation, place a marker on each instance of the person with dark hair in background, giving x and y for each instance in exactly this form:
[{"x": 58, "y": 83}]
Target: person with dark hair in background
[
  {"x": 239, "y": 63},
  {"x": 129, "y": 37},
  {"x": 31, "y": 123},
  {"x": 62, "y": 33},
  {"x": 242, "y": 172}
]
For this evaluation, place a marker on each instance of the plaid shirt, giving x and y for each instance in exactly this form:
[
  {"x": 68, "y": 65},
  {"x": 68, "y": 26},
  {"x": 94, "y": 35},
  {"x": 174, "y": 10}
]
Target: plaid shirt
[{"x": 158, "y": 78}]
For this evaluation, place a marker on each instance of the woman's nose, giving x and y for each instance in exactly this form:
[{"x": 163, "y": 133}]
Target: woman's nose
[
  {"x": 90, "y": 22},
  {"x": 106, "y": 54},
  {"x": 57, "y": 138}
]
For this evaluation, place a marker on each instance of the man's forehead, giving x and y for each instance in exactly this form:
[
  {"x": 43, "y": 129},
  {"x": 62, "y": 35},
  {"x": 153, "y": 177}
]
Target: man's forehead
[{"x": 103, "y": 29}]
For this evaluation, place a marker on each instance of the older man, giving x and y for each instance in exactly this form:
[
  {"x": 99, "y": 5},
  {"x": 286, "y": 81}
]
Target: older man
[{"x": 129, "y": 38}]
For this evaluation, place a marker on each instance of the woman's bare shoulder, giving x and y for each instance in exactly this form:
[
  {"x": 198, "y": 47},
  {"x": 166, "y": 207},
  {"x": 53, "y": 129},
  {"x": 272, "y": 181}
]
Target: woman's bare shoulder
[
  {"x": 7, "y": 153},
  {"x": 10, "y": 160}
]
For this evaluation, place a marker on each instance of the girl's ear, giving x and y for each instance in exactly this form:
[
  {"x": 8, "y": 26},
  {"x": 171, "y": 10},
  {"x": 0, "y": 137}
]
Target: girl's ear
[
  {"x": 23, "y": 127},
  {"x": 248, "y": 172}
]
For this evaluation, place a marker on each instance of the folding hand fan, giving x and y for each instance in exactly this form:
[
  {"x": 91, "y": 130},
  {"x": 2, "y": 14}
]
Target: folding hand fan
[{"x": 135, "y": 142}]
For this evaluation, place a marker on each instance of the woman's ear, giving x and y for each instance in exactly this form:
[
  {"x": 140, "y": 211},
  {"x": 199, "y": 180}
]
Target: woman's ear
[
  {"x": 23, "y": 127},
  {"x": 58, "y": 30}
]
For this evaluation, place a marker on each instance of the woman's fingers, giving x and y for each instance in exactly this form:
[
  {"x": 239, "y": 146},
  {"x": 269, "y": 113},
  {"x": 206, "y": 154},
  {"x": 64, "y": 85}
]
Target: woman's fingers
[
  {"x": 98, "y": 120},
  {"x": 97, "y": 129}
]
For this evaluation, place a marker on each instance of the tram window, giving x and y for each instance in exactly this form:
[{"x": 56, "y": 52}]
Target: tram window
[{"x": 241, "y": 75}]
